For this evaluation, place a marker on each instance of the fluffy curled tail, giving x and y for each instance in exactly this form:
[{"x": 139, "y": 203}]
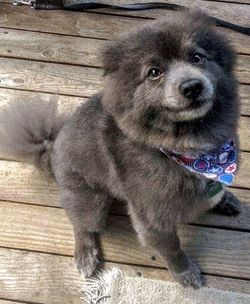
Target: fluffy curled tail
[{"x": 28, "y": 131}]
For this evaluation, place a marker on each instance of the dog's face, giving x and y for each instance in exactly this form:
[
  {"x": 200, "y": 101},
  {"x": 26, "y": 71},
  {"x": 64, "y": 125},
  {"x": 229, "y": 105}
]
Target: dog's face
[{"x": 170, "y": 80}]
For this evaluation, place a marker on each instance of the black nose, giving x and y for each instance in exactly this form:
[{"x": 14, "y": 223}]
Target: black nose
[{"x": 191, "y": 88}]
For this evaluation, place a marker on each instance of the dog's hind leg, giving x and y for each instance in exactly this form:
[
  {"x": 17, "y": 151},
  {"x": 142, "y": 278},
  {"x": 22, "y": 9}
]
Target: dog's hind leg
[{"x": 87, "y": 209}]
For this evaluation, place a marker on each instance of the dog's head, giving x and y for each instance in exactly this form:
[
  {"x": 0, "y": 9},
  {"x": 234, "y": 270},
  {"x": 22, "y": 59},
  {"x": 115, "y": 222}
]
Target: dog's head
[{"x": 171, "y": 83}]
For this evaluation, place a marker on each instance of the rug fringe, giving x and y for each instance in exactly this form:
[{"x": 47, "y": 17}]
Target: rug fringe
[{"x": 97, "y": 290}]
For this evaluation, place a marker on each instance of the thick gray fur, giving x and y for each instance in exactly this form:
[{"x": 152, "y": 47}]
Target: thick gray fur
[{"x": 109, "y": 148}]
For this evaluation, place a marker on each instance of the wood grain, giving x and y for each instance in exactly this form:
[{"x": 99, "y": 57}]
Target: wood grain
[
  {"x": 66, "y": 104},
  {"x": 10, "y": 302},
  {"x": 45, "y": 278},
  {"x": 227, "y": 11},
  {"x": 46, "y": 229},
  {"x": 39, "y": 278},
  {"x": 102, "y": 26},
  {"x": 62, "y": 49},
  {"x": 244, "y": 133},
  {"x": 50, "y": 47},
  {"x": 222, "y": 1},
  {"x": 245, "y": 100},
  {"x": 50, "y": 77}
]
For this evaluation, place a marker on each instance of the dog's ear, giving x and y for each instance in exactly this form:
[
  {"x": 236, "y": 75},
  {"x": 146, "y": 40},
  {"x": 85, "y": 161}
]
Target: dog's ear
[{"x": 112, "y": 55}]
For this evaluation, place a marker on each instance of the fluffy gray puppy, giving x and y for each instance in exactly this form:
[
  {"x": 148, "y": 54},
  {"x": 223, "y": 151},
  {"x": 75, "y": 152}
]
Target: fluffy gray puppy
[{"x": 168, "y": 84}]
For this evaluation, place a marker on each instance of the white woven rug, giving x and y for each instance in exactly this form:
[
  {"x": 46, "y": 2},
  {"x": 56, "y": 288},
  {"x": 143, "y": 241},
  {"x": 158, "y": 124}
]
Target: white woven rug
[{"x": 111, "y": 287}]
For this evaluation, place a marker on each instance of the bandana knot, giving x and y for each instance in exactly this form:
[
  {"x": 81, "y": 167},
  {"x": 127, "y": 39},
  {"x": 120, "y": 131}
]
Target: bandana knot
[{"x": 219, "y": 165}]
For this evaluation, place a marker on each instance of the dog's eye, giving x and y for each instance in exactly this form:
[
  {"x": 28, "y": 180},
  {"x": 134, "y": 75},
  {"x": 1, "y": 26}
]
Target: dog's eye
[
  {"x": 198, "y": 58},
  {"x": 154, "y": 73}
]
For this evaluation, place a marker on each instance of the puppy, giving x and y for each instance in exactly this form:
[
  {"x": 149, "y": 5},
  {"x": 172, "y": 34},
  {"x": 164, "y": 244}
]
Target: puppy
[{"x": 169, "y": 86}]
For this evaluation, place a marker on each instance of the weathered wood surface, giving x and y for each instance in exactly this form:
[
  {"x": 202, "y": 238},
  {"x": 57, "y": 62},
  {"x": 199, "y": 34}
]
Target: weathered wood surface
[
  {"x": 228, "y": 11},
  {"x": 50, "y": 47},
  {"x": 42, "y": 278},
  {"x": 54, "y": 40},
  {"x": 46, "y": 229},
  {"x": 123, "y": 1},
  {"x": 50, "y": 77},
  {"x": 23, "y": 183},
  {"x": 244, "y": 133},
  {"x": 66, "y": 104},
  {"x": 244, "y": 98},
  {"x": 93, "y": 25},
  {"x": 62, "y": 49},
  {"x": 53, "y": 279},
  {"x": 11, "y": 302}
]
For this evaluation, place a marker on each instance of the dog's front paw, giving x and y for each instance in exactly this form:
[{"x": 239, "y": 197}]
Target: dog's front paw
[
  {"x": 229, "y": 205},
  {"x": 86, "y": 260},
  {"x": 190, "y": 277}
]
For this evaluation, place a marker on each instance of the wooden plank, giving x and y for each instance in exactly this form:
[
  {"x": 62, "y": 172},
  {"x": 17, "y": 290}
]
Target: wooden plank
[
  {"x": 50, "y": 77},
  {"x": 65, "y": 22},
  {"x": 238, "y": 14},
  {"x": 228, "y": 11},
  {"x": 45, "y": 278},
  {"x": 60, "y": 49},
  {"x": 66, "y": 104},
  {"x": 11, "y": 302},
  {"x": 243, "y": 68},
  {"x": 244, "y": 91},
  {"x": 90, "y": 24},
  {"x": 65, "y": 79},
  {"x": 50, "y": 47},
  {"x": 232, "y": 12},
  {"x": 233, "y": 1},
  {"x": 244, "y": 133},
  {"x": 47, "y": 229},
  {"x": 243, "y": 177},
  {"x": 38, "y": 278}
]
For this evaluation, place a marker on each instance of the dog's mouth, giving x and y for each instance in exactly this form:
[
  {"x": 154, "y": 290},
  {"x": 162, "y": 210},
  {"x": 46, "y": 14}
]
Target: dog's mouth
[{"x": 194, "y": 110}]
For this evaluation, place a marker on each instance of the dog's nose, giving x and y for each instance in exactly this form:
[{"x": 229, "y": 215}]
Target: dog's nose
[{"x": 191, "y": 88}]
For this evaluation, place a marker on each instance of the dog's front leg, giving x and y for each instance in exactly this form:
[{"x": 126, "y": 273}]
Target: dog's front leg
[
  {"x": 182, "y": 268},
  {"x": 167, "y": 244}
]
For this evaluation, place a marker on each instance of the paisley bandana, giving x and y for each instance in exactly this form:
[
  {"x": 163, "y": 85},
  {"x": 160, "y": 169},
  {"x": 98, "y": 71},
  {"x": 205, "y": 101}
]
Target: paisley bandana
[{"x": 219, "y": 165}]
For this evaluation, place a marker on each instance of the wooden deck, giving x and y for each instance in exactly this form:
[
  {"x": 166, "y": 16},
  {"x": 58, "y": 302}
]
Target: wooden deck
[{"x": 53, "y": 55}]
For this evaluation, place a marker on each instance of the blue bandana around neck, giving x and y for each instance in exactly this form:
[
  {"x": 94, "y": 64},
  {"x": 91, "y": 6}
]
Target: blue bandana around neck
[{"x": 218, "y": 165}]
